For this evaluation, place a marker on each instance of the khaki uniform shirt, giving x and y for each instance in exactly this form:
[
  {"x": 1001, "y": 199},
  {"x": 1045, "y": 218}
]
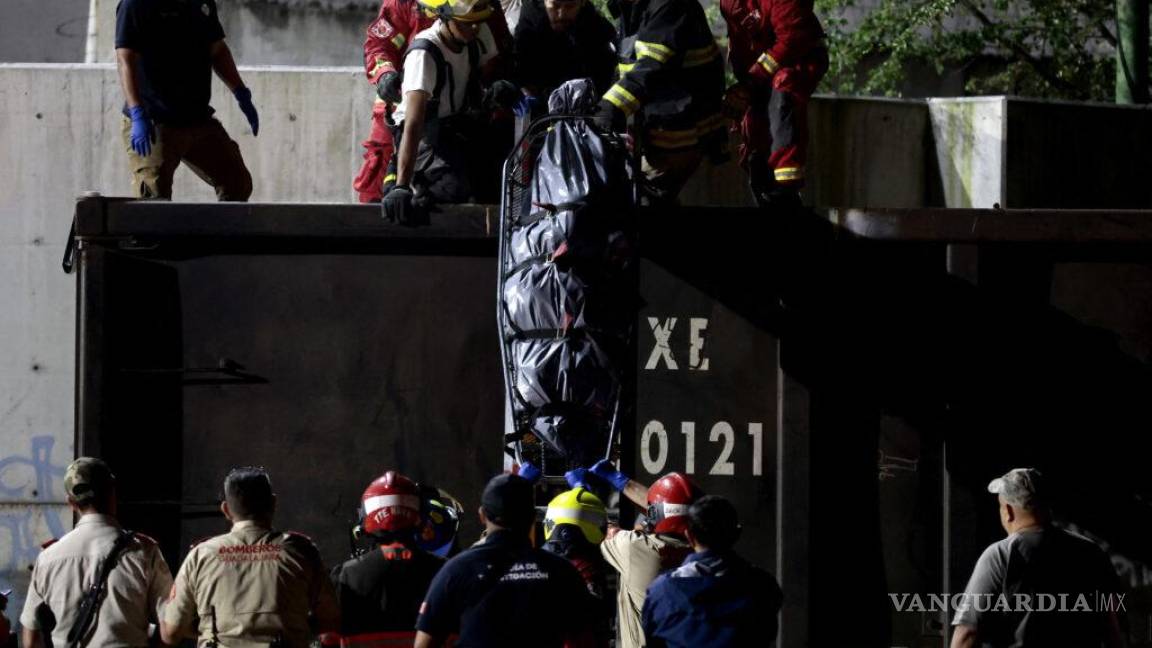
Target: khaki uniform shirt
[
  {"x": 262, "y": 585},
  {"x": 639, "y": 557},
  {"x": 66, "y": 570}
]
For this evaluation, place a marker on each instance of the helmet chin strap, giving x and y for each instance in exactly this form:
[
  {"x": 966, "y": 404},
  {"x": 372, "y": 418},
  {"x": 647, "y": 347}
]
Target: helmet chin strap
[{"x": 453, "y": 43}]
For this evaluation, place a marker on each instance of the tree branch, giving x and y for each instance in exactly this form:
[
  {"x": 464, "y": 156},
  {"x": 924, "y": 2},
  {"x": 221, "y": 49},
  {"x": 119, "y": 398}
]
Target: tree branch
[{"x": 1021, "y": 51}]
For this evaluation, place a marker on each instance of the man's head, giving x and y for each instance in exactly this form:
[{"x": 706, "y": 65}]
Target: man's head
[
  {"x": 713, "y": 524},
  {"x": 508, "y": 503},
  {"x": 90, "y": 486},
  {"x": 1023, "y": 499},
  {"x": 562, "y": 13},
  {"x": 248, "y": 495}
]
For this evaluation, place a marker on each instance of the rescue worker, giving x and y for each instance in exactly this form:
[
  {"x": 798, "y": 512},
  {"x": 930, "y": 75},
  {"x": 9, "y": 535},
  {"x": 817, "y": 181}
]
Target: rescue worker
[
  {"x": 641, "y": 555},
  {"x": 447, "y": 148},
  {"x": 560, "y": 40},
  {"x": 396, "y": 24},
  {"x": 672, "y": 78},
  {"x": 715, "y": 598},
  {"x": 380, "y": 591},
  {"x": 67, "y": 569},
  {"x": 166, "y": 53},
  {"x": 575, "y": 524},
  {"x": 502, "y": 591},
  {"x": 440, "y": 514},
  {"x": 252, "y": 586},
  {"x": 778, "y": 54}
]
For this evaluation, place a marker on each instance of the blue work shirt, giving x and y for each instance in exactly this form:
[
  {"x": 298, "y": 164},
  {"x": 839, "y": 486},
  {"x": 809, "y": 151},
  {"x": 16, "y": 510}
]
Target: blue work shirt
[{"x": 714, "y": 599}]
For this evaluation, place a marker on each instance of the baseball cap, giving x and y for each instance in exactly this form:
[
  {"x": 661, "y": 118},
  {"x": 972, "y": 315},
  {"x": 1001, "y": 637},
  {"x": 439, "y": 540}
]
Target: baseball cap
[
  {"x": 508, "y": 501},
  {"x": 86, "y": 478},
  {"x": 1023, "y": 487}
]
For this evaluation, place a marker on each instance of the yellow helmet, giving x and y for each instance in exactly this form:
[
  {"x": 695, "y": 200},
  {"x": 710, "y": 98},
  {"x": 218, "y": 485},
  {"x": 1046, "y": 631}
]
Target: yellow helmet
[
  {"x": 462, "y": 10},
  {"x": 581, "y": 509}
]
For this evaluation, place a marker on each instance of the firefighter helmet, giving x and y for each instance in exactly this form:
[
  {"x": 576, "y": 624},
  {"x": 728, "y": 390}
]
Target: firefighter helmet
[
  {"x": 440, "y": 520},
  {"x": 462, "y": 10},
  {"x": 668, "y": 502},
  {"x": 390, "y": 503},
  {"x": 581, "y": 509}
]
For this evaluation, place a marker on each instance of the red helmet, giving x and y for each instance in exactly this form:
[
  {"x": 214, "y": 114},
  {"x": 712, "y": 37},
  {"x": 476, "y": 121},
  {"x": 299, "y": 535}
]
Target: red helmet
[
  {"x": 668, "y": 502},
  {"x": 390, "y": 503}
]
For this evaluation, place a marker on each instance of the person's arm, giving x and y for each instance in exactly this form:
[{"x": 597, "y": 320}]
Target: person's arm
[
  {"x": 963, "y": 636},
  {"x": 425, "y": 640},
  {"x": 224, "y": 65},
  {"x": 636, "y": 492},
  {"x": 127, "y": 62},
  {"x": 178, "y": 613},
  {"x": 415, "y": 104},
  {"x": 31, "y": 638}
]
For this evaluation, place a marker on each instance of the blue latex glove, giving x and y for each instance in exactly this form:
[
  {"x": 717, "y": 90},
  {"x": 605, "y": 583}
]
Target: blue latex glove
[
  {"x": 142, "y": 133},
  {"x": 526, "y": 107},
  {"x": 577, "y": 478},
  {"x": 244, "y": 98},
  {"x": 530, "y": 472},
  {"x": 607, "y": 471}
]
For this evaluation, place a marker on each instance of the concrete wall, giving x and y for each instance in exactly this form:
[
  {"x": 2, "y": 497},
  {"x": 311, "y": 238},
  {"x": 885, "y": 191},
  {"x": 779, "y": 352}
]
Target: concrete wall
[{"x": 43, "y": 31}]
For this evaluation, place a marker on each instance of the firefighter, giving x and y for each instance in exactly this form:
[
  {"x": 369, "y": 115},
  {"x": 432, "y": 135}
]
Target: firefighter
[
  {"x": 777, "y": 51},
  {"x": 252, "y": 585},
  {"x": 440, "y": 514},
  {"x": 380, "y": 591},
  {"x": 640, "y": 556},
  {"x": 575, "y": 524},
  {"x": 559, "y": 40},
  {"x": 448, "y": 148},
  {"x": 387, "y": 37},
  {"x": 672, "y": 79}
]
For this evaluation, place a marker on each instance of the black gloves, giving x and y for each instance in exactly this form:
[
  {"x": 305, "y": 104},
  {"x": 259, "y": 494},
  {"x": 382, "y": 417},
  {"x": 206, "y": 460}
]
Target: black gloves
[
  {"x": 501, "y": 94},
  {"x": 388, "y": 87},
  {"x": 401, "y": 207},
  {"x": 608, "y": 117}
]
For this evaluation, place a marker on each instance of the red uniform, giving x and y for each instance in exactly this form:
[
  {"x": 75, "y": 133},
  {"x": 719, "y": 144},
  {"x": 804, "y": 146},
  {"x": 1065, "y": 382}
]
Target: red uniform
[
  {"x": 781, "y": 41},
  {"x": 387, "y": 39}
]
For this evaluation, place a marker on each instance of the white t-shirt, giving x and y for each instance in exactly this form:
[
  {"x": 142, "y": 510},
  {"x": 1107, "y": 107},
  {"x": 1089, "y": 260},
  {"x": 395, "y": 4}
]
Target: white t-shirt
[{"x": 420, "y": 71}]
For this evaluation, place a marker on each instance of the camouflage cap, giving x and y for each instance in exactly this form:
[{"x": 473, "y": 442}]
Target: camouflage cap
[{"x": 87, "y": 478}]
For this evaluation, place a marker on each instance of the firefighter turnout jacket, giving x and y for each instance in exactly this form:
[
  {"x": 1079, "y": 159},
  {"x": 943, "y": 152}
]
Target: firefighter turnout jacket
[
  {"x": 670, "y": 73},
  {"x": 772, "y": 33}
]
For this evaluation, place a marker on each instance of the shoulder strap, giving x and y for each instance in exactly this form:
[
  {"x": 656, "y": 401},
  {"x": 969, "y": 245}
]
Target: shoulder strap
[
  {"x": 95, "y": 594},
  {"x": 426, "y": 45}
]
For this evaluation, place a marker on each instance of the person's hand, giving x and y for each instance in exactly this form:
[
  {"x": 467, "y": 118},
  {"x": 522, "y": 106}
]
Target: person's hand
[
  {"x": 762, "y": 70},
  {"x": 398, "y": 206},
  {"x": 142, "y": 133},
  {"x": 607, "y": 471},
  {"x": 526, "y": 107},
  {"x": 501, "y": 94},
  {"x": 608, "y": 117},
  {"x": 244, "y": 98},
  {"x": 530, "y": 472},
  {"x": 736, "y": 100},
  {"x": 388, "y": 87},
  {"x": 577, "y": 478}
]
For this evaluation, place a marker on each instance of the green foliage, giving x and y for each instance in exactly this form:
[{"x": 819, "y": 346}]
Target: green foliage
[{"x": 1040, "y": 48}]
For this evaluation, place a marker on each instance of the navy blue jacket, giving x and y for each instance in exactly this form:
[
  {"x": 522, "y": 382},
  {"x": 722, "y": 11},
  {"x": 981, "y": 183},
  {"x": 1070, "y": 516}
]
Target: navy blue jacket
[{"x": 714, "y": 599}]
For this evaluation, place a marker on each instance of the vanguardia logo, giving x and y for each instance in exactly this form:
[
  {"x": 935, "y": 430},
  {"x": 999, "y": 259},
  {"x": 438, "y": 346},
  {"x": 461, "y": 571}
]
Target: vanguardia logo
[{"x": 1063, "y": 602}]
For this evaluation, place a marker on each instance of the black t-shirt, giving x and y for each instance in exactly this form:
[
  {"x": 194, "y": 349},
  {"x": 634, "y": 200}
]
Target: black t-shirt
[
  {"x": 381, "y": 591},
  {"x": 545, "y": 59},
  {"x": 173, "y": 39},
  {"x": 506, "y": 593}
]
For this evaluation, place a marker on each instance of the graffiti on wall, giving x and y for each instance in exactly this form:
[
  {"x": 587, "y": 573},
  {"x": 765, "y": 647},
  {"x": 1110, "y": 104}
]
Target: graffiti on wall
[{"x": 29, "y": 484}]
